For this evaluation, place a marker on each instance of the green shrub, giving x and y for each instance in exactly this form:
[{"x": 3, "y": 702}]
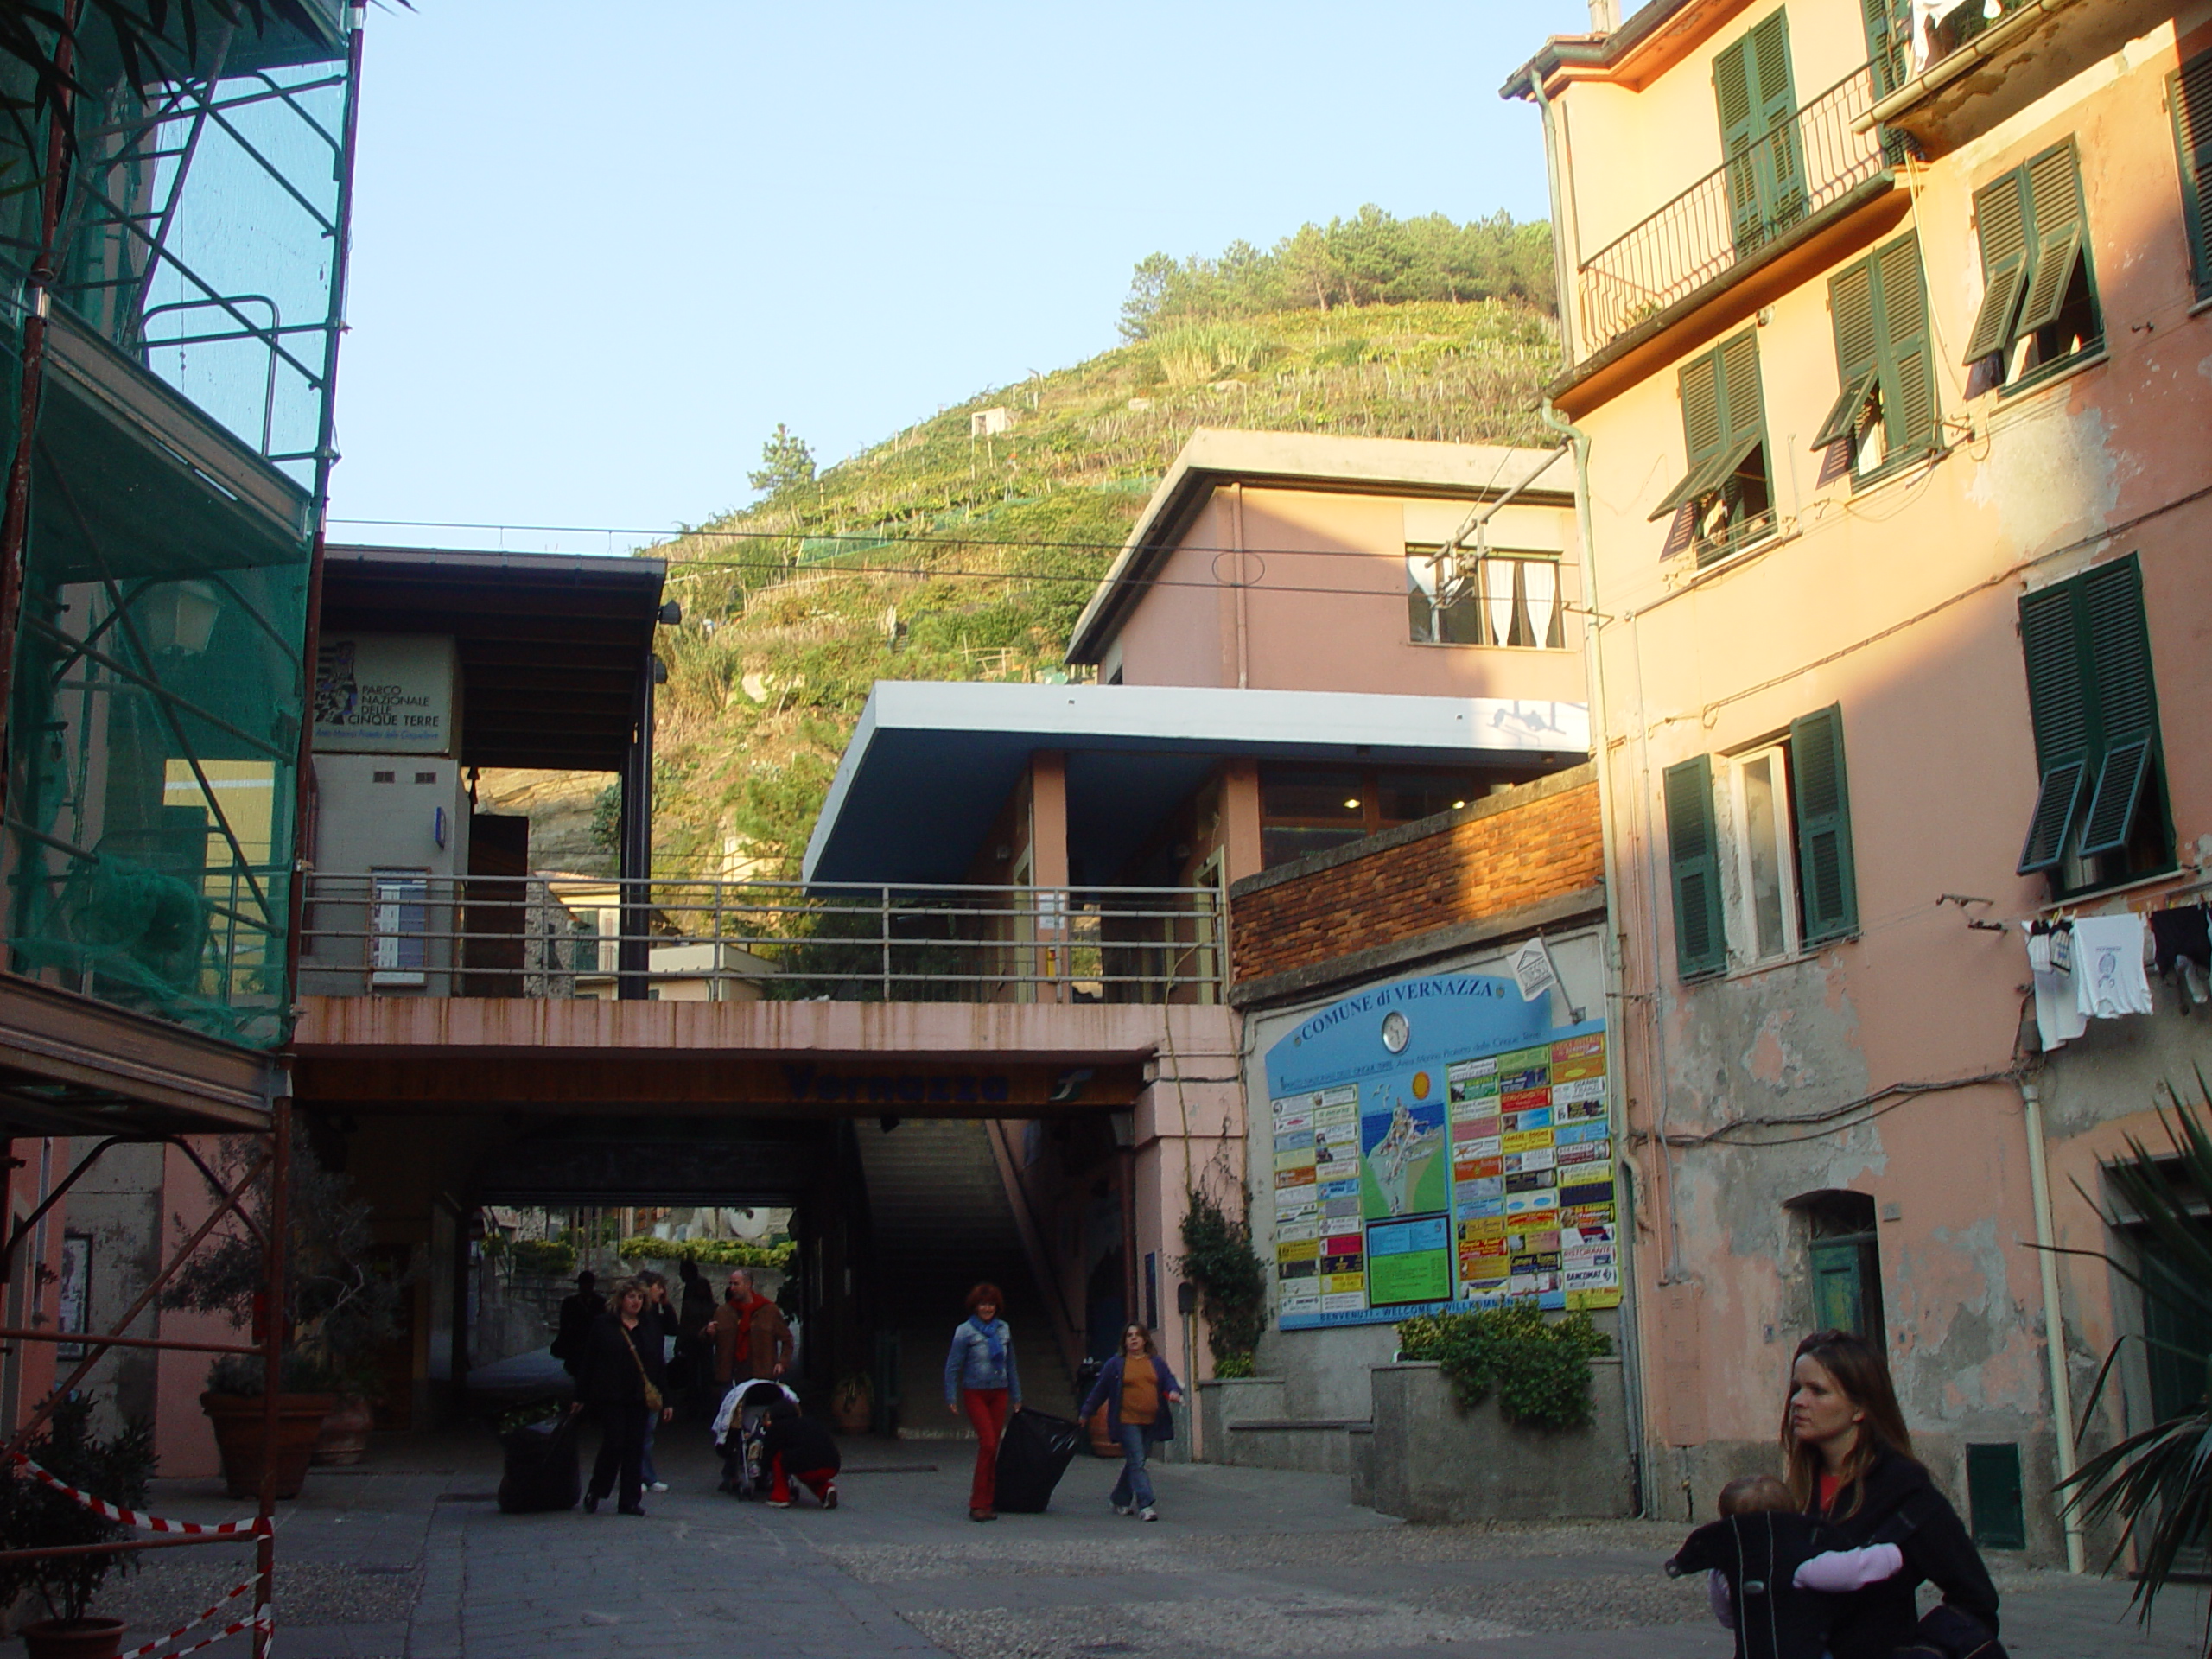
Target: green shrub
[
  {"x": 34, "y": 1516},
  {"x": 550, "y": 1255},
  {"x": 1538, "y": 1367},
  {"x": 709, "y": 1252},
  {"x": 1218, "y": 1257}
]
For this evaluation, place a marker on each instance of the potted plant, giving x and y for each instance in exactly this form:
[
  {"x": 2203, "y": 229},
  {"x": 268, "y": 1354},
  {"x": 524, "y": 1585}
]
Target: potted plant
[
  {"x": 852, "y": 1402},
  {"x": 337, "y": 1307},
  {"x": 34, "y": 1516}
]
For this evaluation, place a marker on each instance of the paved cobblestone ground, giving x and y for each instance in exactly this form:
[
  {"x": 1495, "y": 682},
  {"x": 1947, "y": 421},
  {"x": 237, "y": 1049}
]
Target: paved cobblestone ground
[{"x": 408, "y": 1558}]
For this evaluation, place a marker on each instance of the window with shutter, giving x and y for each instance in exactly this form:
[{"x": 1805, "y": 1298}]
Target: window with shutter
[
  {"x": 1886, "y": 409},
  {"x": 2189, "y": 95},
  {"x": 1700, "y": 939},
  {"x": 2039, "y": 305},
  {"x": 2099, "y": 815},
  {"x": 1827, "y": 880},
  {"x": 1723, "y": 435},
  {"x": 1756, "y": 102}
]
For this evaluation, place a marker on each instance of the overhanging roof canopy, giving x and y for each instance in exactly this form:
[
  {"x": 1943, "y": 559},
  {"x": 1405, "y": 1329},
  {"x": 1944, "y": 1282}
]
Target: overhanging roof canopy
[
  {"x": 931, "y": 763},
  {"x": 552, "y": 647}
]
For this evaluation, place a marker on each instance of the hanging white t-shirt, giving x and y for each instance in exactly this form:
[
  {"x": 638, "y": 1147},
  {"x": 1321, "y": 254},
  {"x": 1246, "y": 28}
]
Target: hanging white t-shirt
[{"x": 2108, "y": 977}]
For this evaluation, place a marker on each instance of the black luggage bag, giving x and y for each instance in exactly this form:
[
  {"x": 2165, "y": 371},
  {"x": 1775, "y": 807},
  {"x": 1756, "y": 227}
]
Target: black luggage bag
[
  {"x": 1033, "y": 1455},
  {"x": 542, "y": 1469}
]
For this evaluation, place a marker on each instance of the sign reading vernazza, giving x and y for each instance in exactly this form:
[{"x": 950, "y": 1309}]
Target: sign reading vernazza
[{"x": 1481, "y": 863}]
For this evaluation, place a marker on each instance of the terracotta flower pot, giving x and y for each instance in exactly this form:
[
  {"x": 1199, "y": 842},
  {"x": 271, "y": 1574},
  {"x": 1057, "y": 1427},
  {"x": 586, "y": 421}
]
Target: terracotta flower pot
[
  {"x": 853, "y": 1410},
  {"x": 237, "y": 1422},
  {"x": 344, "y": 1437},
  {"x": 80, "y": 1638}
]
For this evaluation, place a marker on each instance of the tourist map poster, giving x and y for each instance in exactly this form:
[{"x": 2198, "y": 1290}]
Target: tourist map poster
[{"x": 1438, "y": 1144}]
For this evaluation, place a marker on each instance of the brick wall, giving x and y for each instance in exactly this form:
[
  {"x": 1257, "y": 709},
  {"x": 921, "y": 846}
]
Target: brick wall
[{"x": 1540, "y": 840}]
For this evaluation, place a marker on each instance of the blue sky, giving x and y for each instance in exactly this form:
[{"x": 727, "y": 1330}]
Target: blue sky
[{"x": 600, "y": 250}]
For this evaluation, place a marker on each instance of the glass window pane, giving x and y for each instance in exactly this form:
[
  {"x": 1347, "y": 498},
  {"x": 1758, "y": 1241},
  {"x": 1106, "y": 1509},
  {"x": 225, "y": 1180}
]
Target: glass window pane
[
  {"x": 1762, "y": 831},
  {"x": 1404, "y": 797}
]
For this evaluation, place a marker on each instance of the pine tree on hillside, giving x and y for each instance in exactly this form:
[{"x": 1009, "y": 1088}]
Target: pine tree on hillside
[{"x": 786, "y": 461}]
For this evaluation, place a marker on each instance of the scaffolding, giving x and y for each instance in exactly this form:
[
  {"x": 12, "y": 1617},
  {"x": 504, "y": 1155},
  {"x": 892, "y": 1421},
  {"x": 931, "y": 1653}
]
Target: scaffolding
[
  {"x": 173, "y": 246},
  {"x": 175, "y": 296}
]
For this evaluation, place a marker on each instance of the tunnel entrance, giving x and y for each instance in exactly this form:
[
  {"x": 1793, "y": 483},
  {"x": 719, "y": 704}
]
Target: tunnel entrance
[{"x": 881, "y": 1225}]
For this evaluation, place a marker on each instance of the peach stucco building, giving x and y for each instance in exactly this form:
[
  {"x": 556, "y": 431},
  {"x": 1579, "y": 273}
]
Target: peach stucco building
[{"x": 1890, "y": 378}]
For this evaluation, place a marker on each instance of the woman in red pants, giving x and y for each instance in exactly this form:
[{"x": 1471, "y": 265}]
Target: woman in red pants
[{"x": 980, "y": 1375}]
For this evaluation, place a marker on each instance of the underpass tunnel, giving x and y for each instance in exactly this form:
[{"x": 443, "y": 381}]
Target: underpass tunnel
[{"x": 890, "y": 1220}]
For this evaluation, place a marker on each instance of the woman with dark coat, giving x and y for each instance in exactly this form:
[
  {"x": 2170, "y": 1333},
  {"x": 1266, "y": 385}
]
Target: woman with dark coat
[
  {"x": 1136, "y": 1388},
  {"x": 1851, "y": 1464},
  {"x": 621, "y": 1357}
]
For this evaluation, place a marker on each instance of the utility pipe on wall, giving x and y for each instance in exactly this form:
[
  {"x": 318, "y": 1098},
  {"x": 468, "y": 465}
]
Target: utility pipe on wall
[
  {"x": 2054, "y": 1322},
  {"x": 1576, "y": 442}
]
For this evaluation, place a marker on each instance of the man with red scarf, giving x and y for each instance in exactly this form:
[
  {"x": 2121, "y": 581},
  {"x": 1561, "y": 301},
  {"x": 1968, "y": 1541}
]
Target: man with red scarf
[{"x": 751, "y": 1337}]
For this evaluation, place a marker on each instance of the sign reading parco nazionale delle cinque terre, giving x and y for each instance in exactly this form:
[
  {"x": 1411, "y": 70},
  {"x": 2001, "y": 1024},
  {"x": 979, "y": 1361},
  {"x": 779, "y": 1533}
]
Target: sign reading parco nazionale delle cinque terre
[{"x": 1439, "y": 1144}]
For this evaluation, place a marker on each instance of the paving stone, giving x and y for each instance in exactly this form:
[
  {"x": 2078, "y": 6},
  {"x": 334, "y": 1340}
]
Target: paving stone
[{"x": 406, "y": 1559}]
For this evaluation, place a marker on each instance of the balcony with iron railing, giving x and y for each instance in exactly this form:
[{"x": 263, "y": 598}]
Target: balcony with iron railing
[
  {"x": 404, "y": 933},
  {"x": 1958, "y": 67},
  {"x": 1759, "y": 201}
]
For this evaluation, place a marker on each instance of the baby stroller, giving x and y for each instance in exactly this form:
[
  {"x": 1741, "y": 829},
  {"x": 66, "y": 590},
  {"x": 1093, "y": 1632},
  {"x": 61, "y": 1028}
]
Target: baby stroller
[{"x": 738, "y": 1428}]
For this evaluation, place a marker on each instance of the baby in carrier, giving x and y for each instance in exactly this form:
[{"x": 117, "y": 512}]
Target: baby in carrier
[{"x": 1774, "y": 1576}]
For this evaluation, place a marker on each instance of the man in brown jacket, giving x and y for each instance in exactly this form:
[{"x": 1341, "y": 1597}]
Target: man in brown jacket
[{"x": 751, "y": 1337}]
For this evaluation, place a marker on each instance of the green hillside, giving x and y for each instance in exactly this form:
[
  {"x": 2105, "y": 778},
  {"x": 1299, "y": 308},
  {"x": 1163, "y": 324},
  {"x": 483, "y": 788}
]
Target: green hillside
[{"x": 942, "y": 555}]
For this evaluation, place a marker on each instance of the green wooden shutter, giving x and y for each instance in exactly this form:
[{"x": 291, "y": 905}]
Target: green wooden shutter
[
  {"x": 1907, "y": 362},
  {"x": 1850, "y": 309},
  {"x": 1784, "y": 179},
  {"x": 1757, "y": 107},
  {"x": 1742, "y": 410},
  {"x": 2059, "y": 707},
  {"x": 1736, "y": 100},
  {"x": 2001, "y": 221},
  {"x": 1692, "y": 855},
  {"x": 2061, "y": 237},
  {"x": 1826, "y": 879},
  {"x": 1889, "y": 43},
  {"x": 1699, "y": 383},
  {"x": 2188, "y": 94},
  {"x": 2118, "y": 643}
]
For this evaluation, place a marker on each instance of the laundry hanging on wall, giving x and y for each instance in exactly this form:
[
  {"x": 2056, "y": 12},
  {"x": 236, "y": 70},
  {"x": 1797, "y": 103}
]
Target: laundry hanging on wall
[{"x": 2108, "y": 958}]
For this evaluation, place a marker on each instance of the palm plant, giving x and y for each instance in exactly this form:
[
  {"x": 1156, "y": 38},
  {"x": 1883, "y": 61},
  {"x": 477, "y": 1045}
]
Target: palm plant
[{"x": 2157, "y": 1484}]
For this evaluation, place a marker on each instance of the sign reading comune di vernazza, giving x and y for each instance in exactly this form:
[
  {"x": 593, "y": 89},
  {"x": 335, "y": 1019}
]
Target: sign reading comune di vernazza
[{"x": 1438, "y": 1143}]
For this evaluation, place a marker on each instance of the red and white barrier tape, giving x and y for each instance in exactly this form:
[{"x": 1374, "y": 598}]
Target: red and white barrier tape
[
  {"x": 260, "y": 1617},
  {"x": 131, "y": 1517},
  {"x": 260, "y": 1620}
]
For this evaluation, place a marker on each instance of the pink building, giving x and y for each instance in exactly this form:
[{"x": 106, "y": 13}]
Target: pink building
[{"x": 1889, "y": 386}]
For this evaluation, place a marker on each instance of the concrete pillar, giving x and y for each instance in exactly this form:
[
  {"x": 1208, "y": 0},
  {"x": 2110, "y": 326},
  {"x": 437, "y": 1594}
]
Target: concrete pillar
[
  {"x": 1048, "y": 867},
  {"x": 1188, "y": 1134},
  {"x": 1048, "y": 819}
]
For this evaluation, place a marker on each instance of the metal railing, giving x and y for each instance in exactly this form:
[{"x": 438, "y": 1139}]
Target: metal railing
[
  {"x": 401, "y": 932},
  {"x": 1759, "y": 193}
]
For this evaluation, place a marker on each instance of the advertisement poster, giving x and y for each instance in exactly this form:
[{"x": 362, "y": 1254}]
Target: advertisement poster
[{"x": 1439, "y": 1144}]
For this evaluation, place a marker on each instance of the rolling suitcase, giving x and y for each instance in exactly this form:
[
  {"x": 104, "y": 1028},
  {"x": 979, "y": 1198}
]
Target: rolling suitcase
[
  {"x": 1033, "y": 1455},
  {"x": 542, "y": 1471}
]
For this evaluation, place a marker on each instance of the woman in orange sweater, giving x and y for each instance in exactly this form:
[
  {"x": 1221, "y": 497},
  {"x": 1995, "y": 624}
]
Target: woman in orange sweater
[{"x": 1136, "y": 1388}]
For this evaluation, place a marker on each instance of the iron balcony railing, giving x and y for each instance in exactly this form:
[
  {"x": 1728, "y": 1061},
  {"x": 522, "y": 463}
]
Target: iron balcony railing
[
  {"x": 401, "y": 932},
  {"x": 1760, "y": 193}
]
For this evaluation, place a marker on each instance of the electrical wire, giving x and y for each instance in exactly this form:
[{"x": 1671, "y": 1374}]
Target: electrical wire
[{"x": 1897, "y": 1094}]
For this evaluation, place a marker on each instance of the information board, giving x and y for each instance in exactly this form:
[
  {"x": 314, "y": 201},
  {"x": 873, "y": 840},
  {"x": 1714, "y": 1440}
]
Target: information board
[{"x": 1438, "y": 1144}]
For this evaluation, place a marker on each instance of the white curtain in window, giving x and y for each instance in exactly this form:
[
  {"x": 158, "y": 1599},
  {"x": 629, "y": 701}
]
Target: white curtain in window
[
  {"x": 1498, "y": 599},
  {"x": 1540, "y": 578}
]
